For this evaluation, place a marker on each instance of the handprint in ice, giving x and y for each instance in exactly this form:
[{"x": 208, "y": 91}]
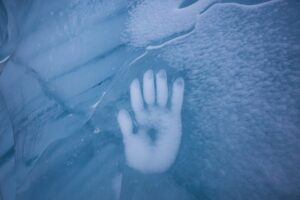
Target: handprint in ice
[{"x": 153, "y": 147}]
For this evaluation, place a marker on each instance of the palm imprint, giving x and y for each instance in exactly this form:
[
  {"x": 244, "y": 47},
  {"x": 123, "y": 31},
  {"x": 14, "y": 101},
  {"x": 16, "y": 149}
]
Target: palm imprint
[{"x": 143, "y": 151}]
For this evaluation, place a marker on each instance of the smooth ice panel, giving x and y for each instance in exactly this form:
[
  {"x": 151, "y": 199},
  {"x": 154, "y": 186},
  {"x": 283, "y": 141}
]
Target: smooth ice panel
[{"x": 7, "y": 159}]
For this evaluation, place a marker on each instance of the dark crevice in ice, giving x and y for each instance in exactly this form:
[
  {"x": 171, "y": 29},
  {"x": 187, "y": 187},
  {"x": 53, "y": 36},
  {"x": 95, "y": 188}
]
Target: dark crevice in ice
[
  {"x": 9, "y": 154},
  {"x": 187, "y": 3},
  {"x": 109, "y": 78}
]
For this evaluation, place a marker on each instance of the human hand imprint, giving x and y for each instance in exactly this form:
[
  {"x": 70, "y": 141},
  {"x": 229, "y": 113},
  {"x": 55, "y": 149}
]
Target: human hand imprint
[{"x": 142, "y": 151}]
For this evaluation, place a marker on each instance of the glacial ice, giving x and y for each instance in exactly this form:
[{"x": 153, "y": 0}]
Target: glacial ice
[
  {"x": 154, "y": 21},
  {"x": 66, "y": 67}
]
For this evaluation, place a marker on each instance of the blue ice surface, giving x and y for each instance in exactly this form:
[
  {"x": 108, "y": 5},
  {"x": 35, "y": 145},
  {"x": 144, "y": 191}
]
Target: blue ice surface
[{"x": 68, "y": 74}]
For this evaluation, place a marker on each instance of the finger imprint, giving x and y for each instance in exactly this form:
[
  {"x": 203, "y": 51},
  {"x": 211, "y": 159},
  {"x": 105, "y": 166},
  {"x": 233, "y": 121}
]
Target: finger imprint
[
  {"x": 162, "y": 88},
  {"x": 148, "y": 87},
  {"x": 177, "y": 95},
  {"x": 125, "y": 123},
  {"x": 136, "y": 96}
]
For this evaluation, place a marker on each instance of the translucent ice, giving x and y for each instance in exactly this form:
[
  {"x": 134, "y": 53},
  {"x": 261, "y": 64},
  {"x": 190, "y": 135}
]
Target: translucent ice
[{"x": 66, "y": 69}]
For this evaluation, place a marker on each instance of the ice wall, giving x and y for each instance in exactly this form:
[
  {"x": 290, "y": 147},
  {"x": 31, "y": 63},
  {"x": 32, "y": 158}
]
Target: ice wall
[
  {"x": 68, "y": 74},
  {"x": 7, "y": 159}
]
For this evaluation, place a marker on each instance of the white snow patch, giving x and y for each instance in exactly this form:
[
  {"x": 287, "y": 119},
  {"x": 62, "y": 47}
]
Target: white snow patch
[{"x": 153, "y": 20}]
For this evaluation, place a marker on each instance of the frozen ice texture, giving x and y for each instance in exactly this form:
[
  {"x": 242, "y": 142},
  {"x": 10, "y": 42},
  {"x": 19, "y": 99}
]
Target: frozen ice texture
[
  {"x": 7, "y": 161},
  {"x": 154, "y": 20},
  {"x": 66, "y": 69}
]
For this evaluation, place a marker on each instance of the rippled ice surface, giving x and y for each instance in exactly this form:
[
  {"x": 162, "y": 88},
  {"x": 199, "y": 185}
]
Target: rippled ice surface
[{"x": 66, "y": 67}]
